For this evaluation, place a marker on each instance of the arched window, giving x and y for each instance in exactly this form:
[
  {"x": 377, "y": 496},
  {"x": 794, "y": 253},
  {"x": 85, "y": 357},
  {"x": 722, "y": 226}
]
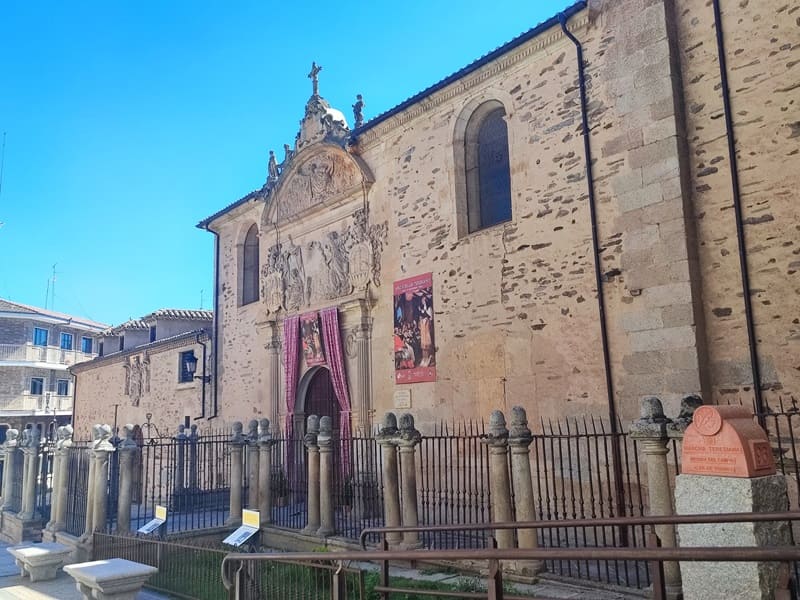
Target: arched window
[
  {"x": 250, "y": 266},
  {"x": 488, "y": 176}
]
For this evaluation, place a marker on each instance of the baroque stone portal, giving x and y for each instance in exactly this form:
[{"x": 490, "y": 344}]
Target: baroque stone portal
[{"x": 333, "y": 266}]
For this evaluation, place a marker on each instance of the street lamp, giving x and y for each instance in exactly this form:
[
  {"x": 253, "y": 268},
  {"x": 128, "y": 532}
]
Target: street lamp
[{"x": 191, "y": 368}]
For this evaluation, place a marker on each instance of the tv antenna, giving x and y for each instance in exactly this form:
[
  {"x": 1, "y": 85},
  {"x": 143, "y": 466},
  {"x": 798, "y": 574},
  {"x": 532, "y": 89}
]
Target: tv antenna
[{"x": 51, "y": 290}]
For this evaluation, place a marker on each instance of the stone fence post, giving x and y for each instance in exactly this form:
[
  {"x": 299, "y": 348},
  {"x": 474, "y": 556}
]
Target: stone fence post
[
  {"x": 387, "y": 438},
  {"x": 651, "y": 433},
  {"x": 58, "y": 496},
  {"x": 519, "y": 440},
  {"x": 127, "y": 454},
  {"x": 31, "y": 440},
  {"x": 237, "y": 443},
  {"x": 194, "y": 436},
  {"x": 102, "y": 453},
  {"x": 179, "y": 479},
  {"x": 407, "y": 442},
  {"x": 253, "y": 470},
  {"x": 325, "y": 445},
  {"x": 265, "y": 444},
  {"x": 9, "y": 467},
  {"x": 497, "y": 439},
  {"x": 310, "y": 442}
]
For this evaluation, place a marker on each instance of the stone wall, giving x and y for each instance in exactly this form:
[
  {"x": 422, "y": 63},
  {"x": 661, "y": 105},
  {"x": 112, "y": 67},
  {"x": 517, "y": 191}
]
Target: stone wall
[
  {"x": 763, "y": 60},
  {"x": 101, "y": 385},
  {"x": 516, "y": 309}
]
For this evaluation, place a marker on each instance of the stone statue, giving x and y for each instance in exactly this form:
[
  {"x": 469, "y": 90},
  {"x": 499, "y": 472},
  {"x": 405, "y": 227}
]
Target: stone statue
[
  {"x": 314, "y": 77},
  {"x": 273, "y": 280},
  {"x": 288, "y": 153},
  {"x": 358, "y": 108},
  {"x": 104, "y": 441},
  {"x": 272, "y": 167}
]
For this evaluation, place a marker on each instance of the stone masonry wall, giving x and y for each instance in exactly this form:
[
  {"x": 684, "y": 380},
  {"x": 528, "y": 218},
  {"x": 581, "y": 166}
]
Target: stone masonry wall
[
  {"x": 763, "y": 58},
  {"x": 101, "y": 385}
]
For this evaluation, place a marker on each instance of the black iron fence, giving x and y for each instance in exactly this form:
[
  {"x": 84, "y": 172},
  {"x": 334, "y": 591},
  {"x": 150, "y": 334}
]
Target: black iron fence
[
  {"x": 44, "y": 481},
  {"x": 15, "y": 504},
  {"x": 77, "y": 461}
]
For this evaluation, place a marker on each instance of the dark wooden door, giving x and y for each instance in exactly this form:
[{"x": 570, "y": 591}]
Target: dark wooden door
[{"x": 321, "y": 399}]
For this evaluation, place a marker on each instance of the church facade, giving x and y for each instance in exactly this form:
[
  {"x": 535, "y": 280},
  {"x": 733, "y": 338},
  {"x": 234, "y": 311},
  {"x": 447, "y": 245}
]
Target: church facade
[{"x": 468, "y": 250}]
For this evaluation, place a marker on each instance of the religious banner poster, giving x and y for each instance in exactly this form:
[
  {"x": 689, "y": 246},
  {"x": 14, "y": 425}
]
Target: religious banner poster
[
  {"x": 311, "y": 336},
  {"x": 414, "y": 346}
]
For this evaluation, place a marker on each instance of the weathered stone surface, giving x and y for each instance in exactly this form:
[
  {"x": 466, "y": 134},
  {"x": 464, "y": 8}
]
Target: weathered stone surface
[{"x": 701, "y": 494}]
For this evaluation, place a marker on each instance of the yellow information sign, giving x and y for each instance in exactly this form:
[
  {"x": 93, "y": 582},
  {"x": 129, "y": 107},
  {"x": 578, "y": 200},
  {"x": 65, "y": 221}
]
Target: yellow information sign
[
  {"x": 250, "y": 518},
  {"x": 161, "y": 512}
]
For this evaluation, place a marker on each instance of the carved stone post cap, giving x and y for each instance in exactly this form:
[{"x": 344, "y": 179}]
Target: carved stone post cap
[
  {"x": 181, "y": 435},
  {"x": 264, "y": 433},
  {"x": 325, "y": 432},
  {"x": 128, "y": 443},
  {"x": 237, "y": 437},
  {"x": 388, "y": 427},
  {"x": 689, "y": 404},
  {"x": 497, "y": 426},
  {"x": 252, "y": 431},
  {"x": 312, "y": 424},
  {"x": 653, "y": 422},
  {"x": 11, "y": 439},
  {"x": 408, "y": 433},
  {"x": 194, "y": 433},
  {"x": 519, "y": 432}
]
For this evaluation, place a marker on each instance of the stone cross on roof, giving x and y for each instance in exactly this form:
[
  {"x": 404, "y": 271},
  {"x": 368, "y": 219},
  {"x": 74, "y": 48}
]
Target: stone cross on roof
[{"x": 313, "y": 76}]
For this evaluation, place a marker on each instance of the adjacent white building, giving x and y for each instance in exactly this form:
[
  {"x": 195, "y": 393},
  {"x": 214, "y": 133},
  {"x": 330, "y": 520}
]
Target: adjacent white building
[{"x": 37, "y": 347}]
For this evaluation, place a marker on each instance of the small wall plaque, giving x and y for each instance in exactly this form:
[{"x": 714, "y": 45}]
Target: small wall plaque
[{"x": 402, "y": 398}]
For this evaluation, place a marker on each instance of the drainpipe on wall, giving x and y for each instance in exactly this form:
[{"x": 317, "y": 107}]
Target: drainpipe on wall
[
  {"x": 203, "y": 393},
  {"x": 616, "y": 456},
  {"x": 737, "y": 209},
  {"x": 215, "y": 333}
]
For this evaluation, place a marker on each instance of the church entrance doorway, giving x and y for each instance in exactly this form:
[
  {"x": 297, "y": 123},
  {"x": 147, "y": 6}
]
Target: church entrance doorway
[{"x": 321, "y": 400}]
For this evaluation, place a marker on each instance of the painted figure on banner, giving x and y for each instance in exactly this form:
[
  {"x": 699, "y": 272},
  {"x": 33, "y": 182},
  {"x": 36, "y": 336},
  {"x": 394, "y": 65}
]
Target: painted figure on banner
[
  {"x": 311, "y": 337},
  {"x": 414, "y": 341}
]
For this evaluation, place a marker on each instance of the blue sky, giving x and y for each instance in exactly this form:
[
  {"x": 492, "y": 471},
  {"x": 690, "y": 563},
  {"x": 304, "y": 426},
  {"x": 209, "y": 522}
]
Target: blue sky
[{"x": 129, "y": 122}]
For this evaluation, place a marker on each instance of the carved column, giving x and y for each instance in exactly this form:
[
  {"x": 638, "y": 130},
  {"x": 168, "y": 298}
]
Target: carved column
[
  {"x": 88, "y": 527},
  {"x": 252, "y": 464},
  {"x": 387, "y": 438},
  {"x": 127, "y": 456},
  {"x": 325, "y": 444},
  {"x": 651, "y": 433},
  {"x": 30, "y": 474},
  {"x": 312, "y": 501},
  {"x": 407, "y": 441},
  {"x": 237, "y": 443},
  {"x": 9, "y": 466},
  {"x": 273, "y": 371},
  {"x": 102, "y": 453},
  {"x": 58, "y": 504},
  {"x": 265, "y": 443},
  {"x": 497, "y": 439}
]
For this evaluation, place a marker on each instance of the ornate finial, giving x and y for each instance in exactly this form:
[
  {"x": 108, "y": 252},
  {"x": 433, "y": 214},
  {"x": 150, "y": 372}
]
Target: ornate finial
[
  {"x": 287, "y": 154},
  {"x": 264, "y": 434},
  {"x": 408, "y": 432},
  {"x": 128, "y": 442},
  {"x": 236, "y": 433},
  {"x": 358, "y": 108},
  {"x": 314, "y": 77},
  {"x": 252, "y": 431},
  {"x": 519, "y": 425}
]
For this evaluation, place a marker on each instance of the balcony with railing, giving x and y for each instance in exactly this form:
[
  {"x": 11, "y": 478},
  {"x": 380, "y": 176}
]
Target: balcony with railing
[
  {"x": 51, "y": 355},
  {"x": 43, "y": 404}
]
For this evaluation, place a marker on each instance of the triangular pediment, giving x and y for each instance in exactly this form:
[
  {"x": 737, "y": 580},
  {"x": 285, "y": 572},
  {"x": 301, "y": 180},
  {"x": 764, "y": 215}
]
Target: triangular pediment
[{"x": 319, "y": 176}]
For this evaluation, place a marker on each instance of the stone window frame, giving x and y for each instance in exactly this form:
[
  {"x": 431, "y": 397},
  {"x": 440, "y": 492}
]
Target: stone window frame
[
  {"x": 84, "y": 339},
  {"x": 242, "y": 268},
  {"x": 183, "y": 373},
  {"x": 466, "y": 125},
  {"x": 58, "y": 387}
]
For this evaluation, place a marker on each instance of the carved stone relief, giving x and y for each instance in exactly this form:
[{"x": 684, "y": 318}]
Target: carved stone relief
[
  {"x": 137, "y": 377},
  {"x": 334, "y": 266},
  {"x": 320, "y": 178}
]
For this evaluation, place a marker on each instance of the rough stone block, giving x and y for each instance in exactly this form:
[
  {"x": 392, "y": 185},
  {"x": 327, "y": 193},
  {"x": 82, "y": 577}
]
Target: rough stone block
[
  {"x": 114, "y": 578},
  {"x": 702, "y": 494},
  {"x": 662, "y": 339},
  {"x": 668, "y": 294},
  {"x": 636, "y": 199},
  {"x": 40, "y": 562}
]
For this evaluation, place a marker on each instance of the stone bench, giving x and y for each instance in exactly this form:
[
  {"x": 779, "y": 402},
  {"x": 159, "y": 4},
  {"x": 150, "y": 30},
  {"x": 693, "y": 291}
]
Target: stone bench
[
  {"x": 111, "y": 579},
  {"x": 40, "y": 561}
]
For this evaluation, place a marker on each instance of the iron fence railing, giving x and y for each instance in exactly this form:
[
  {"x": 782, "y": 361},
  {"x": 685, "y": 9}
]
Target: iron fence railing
[
  {"x": 76, "y": 501},
  {"x": 44, "y": 481},
  {"x": 16, "y": 483}
]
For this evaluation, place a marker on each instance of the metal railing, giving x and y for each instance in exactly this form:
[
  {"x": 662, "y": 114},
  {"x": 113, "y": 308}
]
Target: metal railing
[
  {"x": 47, "y": 354},
  {"x": 236, "y": 564},
  {"x": 77, "y": 498}
]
